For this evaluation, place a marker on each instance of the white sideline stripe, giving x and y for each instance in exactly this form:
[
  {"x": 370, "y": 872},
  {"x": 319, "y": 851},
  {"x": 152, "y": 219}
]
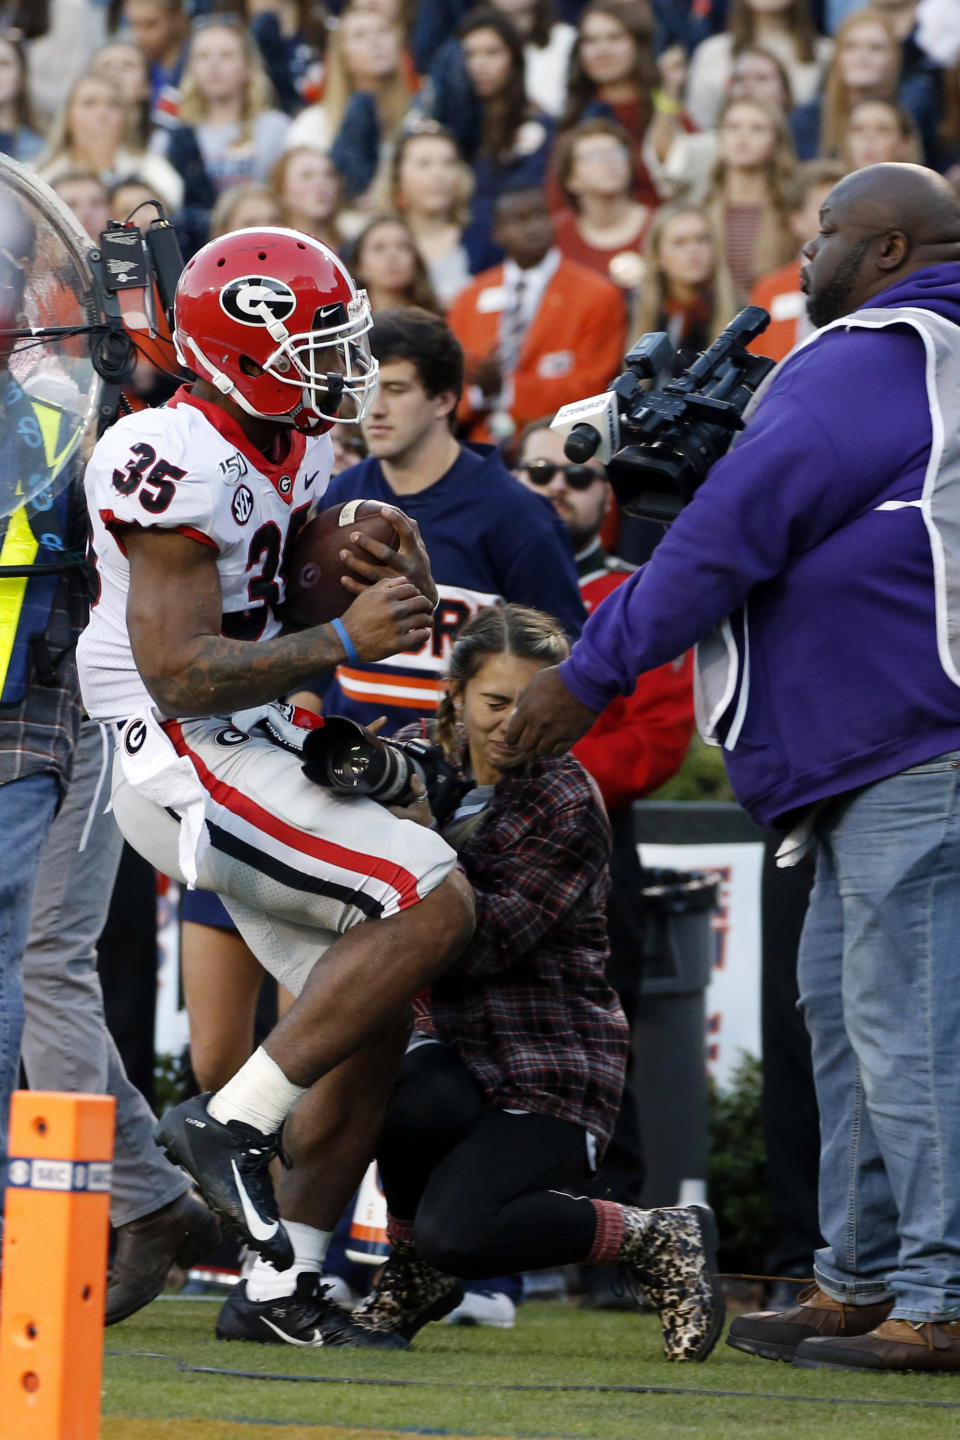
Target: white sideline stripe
[{"x": 900, "y": 505}]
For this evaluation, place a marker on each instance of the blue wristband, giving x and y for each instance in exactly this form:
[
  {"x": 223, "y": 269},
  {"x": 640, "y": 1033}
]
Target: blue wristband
[{"x": 340, "y": 630}]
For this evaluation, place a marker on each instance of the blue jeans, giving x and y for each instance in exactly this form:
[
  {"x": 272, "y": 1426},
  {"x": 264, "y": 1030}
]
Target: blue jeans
[
  {"x": 879, "y": 974},
  {"x": 27, "y": 808}
]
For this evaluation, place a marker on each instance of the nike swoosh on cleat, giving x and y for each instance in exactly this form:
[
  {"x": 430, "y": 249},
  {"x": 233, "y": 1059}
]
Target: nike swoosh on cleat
[
  {"x": 255, "y": 1225},
  {"x": 291, "y": 1339}
]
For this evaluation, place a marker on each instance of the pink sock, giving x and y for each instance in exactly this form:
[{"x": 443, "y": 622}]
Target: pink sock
[{"x": 605, "y": 1249}]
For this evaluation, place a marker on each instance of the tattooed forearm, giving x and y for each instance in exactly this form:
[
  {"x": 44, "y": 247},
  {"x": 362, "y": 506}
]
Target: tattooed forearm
[{"x": 224, "y": 675}]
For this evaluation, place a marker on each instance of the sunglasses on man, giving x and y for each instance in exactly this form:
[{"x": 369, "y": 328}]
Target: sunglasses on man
[{"x": 578, "y": 477}]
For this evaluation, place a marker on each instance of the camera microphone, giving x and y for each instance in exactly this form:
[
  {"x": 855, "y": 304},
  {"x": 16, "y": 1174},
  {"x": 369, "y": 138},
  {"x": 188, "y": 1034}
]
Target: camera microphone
[
  {"x": 589, "y": 428},
  {"x": 582, "y": 443}
]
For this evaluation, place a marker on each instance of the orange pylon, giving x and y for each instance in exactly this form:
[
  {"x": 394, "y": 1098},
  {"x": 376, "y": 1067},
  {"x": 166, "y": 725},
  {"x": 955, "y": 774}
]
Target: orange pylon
[{"x": 52, "y": 1289}]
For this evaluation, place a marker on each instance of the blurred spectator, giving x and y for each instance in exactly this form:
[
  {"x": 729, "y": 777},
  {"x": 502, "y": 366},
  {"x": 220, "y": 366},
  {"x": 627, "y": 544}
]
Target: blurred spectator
[
  {"x": 306, "y": 186},
  {"x": 687, "y": 290},
  {"x": 132, "y": 198},
  {"x": 613, "y": 73},
  {"x": 243, "y": 206},
  {"x": 879, "y": 131},
  {"x": 480, "y": 96},
  {"x": 30, "y": 17},
  {"x": 547, "y": 44},
  {"x": 948, "y": 135},
  {"x": 228, "y": 131},
  {"x": 604, "y": 227},
  {"x": 83, "y": 192},
  {"x": 865, "y": 65},
  {"x": 757, "y": 74},
  {"x": 292, "y": 37},
  {"x": 387, "y": 264},
  {"x": 938, "y": 31},
  {"x": 779, "y": 292},
  {"x": 783, "y": 27},
  {"x": 745, "y": 201},
  {"x": 159, "y": 28},
  {"x": 368, "y": 83},
  {"x": 538, "y": 331},
  {"x": 18, "y": 138},
  {"x": 61, "y": 51},
  {"x": 90, "y": 134},
  {"x": 125, "y": 65},
  {"x": 432, "y": 25},
  {"x": 432, "y": 187},
  {"x": 920, "y": 89}
]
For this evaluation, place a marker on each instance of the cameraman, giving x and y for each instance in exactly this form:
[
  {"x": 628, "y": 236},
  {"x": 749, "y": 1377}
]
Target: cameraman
[{"x": 823, "y": 549}]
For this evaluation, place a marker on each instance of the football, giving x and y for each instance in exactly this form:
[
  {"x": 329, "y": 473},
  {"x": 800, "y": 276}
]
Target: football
[{"x": 313, "y": 568}]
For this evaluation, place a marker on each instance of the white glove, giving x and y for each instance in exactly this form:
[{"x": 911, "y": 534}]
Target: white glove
[{"x": 286, "y": 725}]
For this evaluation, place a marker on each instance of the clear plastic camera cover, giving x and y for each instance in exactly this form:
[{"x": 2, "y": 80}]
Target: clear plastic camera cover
[{"x": 49, "y": 391}]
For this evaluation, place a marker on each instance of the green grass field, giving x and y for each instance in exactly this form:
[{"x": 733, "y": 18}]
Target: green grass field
[{"x": 492, "y": 1383}]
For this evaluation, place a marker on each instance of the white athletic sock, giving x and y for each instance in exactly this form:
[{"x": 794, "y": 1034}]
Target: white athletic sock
[
  {"x": 259, "y": 1095},
  {"x": 309, "y": 1249}
]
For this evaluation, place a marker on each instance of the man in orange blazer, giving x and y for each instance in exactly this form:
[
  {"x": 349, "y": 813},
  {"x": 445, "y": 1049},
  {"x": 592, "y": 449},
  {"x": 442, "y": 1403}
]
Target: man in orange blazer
[
  {"x": 779, "y": 292},
  {"x": 538, "y": 330}
]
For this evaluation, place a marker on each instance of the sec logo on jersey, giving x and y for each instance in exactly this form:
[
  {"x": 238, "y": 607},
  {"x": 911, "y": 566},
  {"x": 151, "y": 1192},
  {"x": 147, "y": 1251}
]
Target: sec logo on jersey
[
  {"x": 258, "y": 300},
  {"x": 242, "y": 505}
]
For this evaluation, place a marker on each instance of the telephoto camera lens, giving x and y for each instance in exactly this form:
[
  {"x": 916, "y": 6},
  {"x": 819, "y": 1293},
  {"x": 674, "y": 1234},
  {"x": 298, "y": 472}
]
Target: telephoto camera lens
[
  {"x": 349, "y": 765},
  {"x": 344, "y": 758}
]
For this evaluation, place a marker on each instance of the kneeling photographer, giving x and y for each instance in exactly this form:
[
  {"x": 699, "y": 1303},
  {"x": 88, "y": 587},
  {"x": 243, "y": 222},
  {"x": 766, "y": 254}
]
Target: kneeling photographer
[
  {"x": 510, "y": 1090},
  {"x": 818, "y": 565}
]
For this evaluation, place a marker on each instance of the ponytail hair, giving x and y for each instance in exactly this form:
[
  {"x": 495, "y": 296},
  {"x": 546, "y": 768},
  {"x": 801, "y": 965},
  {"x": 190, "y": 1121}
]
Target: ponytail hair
[{"x": 497, "y": 630}]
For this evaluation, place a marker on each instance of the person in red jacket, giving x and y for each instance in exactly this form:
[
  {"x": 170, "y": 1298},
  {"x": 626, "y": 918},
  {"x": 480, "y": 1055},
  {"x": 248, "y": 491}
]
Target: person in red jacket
[
  {"x": 539, "y": 330},
  {"x": 634, "y": 747}
]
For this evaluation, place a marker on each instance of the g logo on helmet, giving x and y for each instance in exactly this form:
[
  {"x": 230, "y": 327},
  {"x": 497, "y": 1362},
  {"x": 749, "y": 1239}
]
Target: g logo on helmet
[{"x": 244, "y": 299}]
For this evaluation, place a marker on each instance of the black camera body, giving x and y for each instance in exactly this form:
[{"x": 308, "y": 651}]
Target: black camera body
[
  {"x": 658, "y": 445},
  {"x": 343, "y": 757}
]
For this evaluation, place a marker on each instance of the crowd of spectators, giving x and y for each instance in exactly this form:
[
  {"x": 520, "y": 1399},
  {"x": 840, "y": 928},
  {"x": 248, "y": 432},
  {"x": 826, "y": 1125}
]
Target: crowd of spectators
[{"x": 665, "y": 137}]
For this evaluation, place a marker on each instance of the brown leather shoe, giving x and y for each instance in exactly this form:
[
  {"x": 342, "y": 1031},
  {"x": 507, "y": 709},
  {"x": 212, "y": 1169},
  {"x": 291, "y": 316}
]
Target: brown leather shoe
[
  {"x": 894, "y": 1345},
  {"x": 178, "y": 1233},
  {"x": 775, "y": 1334}
]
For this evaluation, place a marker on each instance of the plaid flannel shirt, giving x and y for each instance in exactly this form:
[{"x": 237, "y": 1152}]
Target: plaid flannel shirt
[{"x": 527, "y": 1007}]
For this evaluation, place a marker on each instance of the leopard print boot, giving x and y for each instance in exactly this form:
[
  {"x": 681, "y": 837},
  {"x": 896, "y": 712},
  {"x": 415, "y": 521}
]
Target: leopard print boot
[
  {"x": 408, "y": 1295},
  {"x": 671, "y": 1254}
]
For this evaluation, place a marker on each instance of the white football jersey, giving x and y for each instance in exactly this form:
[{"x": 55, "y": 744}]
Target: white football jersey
[{"x": 189, "y": 467}]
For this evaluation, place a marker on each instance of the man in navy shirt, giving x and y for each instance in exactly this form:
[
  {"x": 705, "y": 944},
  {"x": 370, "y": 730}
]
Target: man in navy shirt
[{"x": 488, "y": 537}]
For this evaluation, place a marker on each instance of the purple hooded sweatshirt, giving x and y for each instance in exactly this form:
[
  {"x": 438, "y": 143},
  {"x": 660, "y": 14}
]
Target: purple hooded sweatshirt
[{"x": 846, "y": 684}]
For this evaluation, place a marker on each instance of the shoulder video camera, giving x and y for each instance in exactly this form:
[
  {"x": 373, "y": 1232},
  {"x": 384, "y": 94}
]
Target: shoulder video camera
[{"x": 658, "y": 445}]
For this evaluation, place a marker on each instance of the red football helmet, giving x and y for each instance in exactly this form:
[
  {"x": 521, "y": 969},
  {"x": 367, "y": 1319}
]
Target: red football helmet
[{"x": 272, "y": 319}]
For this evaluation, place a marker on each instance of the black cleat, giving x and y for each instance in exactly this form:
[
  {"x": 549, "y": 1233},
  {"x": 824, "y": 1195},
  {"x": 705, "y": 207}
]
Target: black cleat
[
  {"x": 230, "y": 1166},
  {"x": 305, "y": 1318}
]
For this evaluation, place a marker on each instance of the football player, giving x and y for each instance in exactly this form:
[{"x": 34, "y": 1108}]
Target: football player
[{"x": 193, "y": 507}]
